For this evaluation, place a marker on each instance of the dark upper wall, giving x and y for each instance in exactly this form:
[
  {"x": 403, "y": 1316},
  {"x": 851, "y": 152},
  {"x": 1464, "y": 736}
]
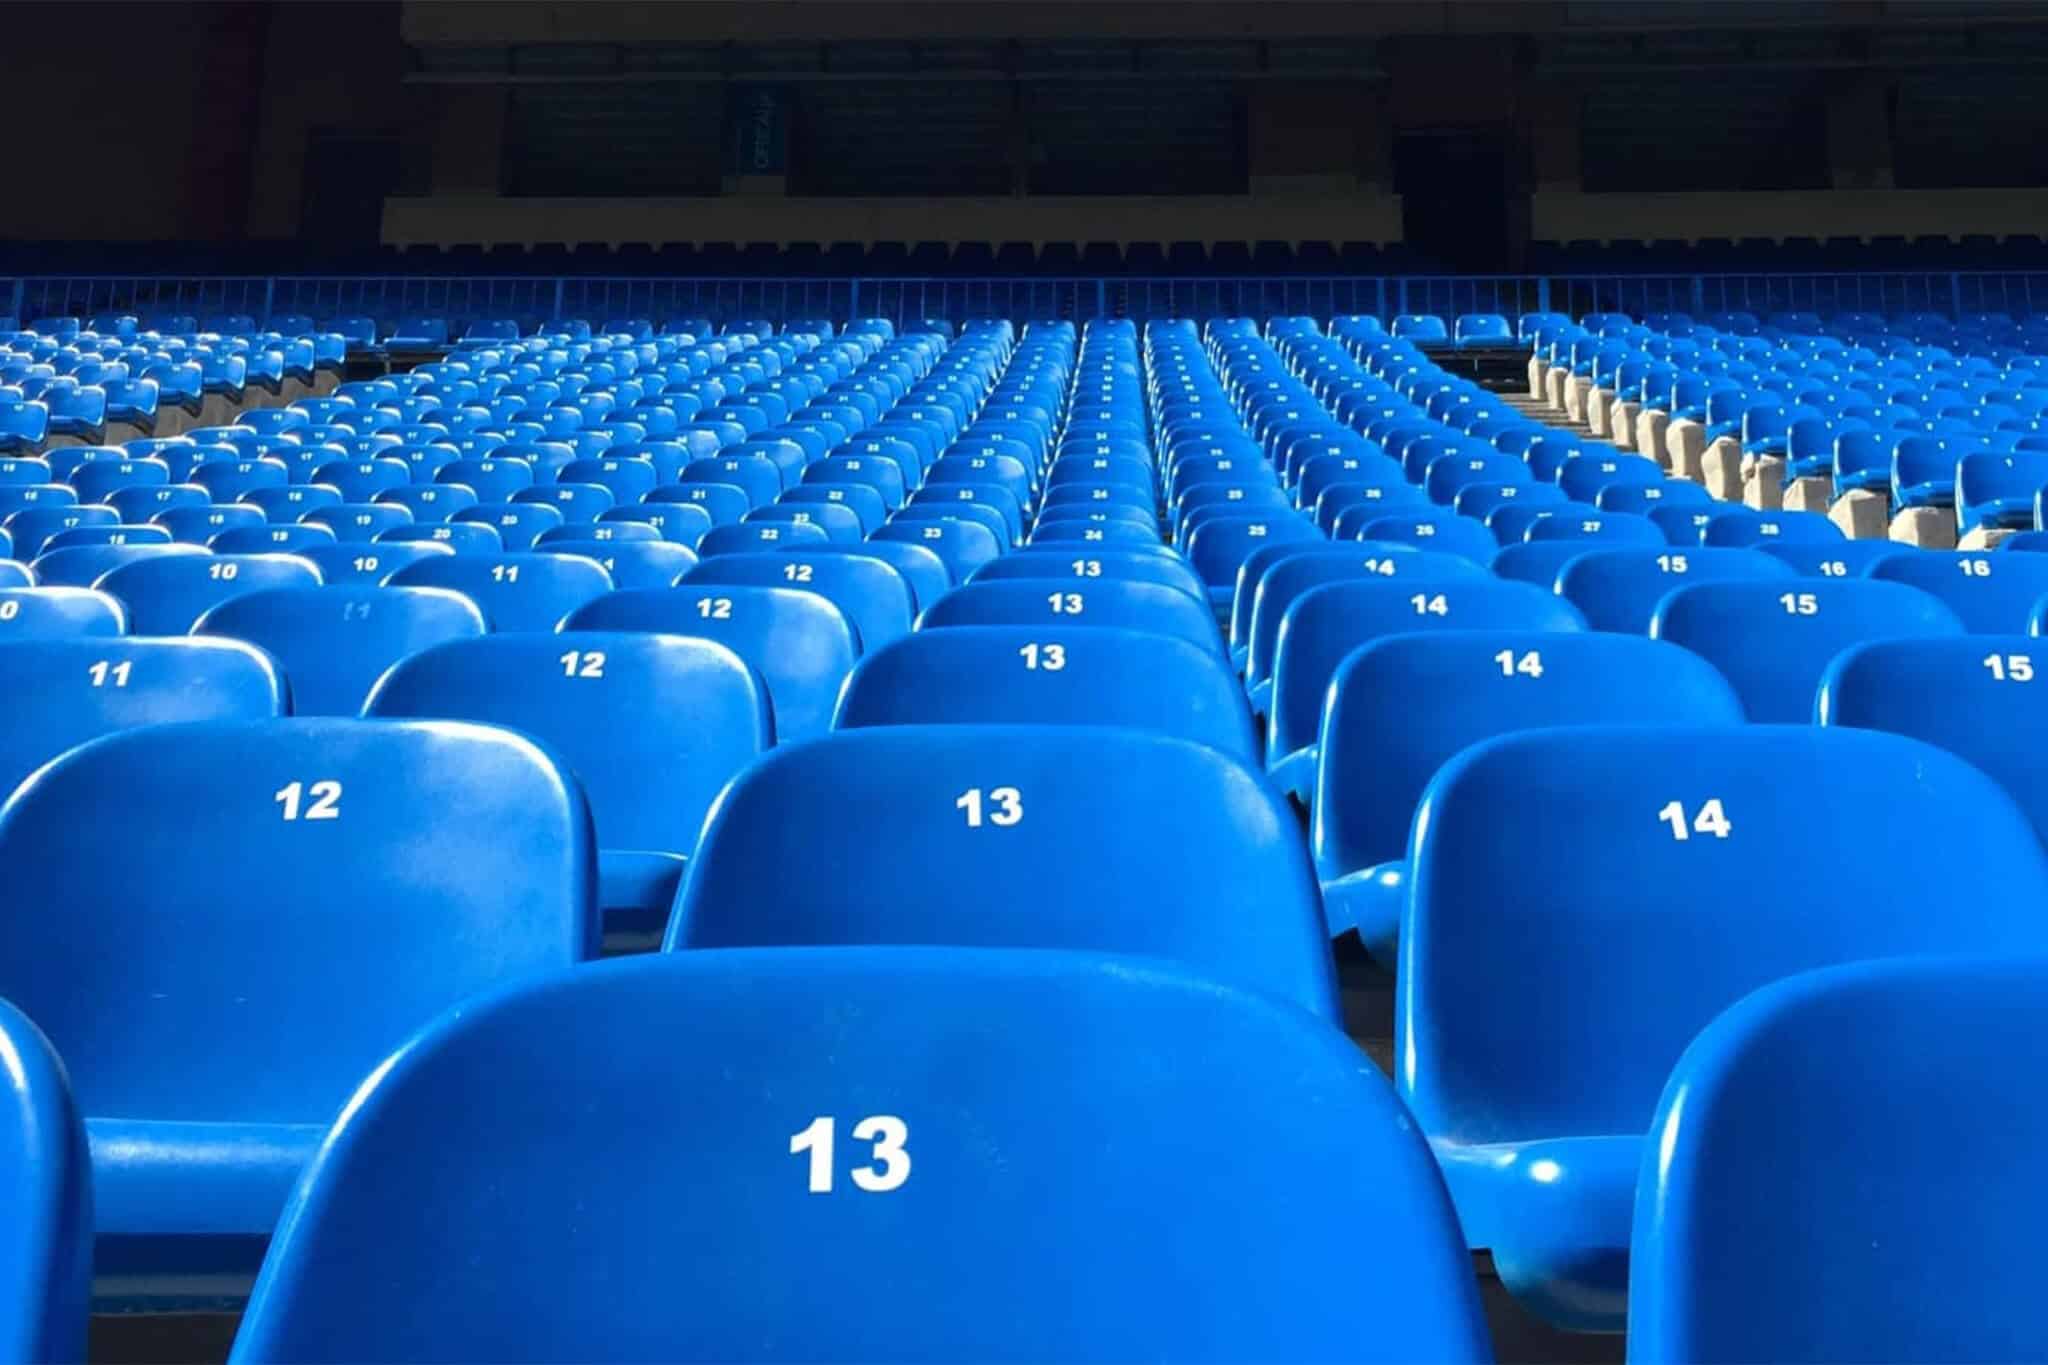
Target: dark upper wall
[{"x": 147, "y": 140}]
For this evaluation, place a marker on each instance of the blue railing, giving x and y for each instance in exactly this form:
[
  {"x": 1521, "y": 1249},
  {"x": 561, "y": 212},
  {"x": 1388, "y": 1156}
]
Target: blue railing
[{"x": 461, "y": 299}]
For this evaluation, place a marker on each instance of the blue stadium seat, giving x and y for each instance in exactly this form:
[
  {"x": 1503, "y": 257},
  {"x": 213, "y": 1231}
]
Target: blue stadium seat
[
  {"x": 1665, "y": 873},
  {"x": 799, "y": 642},
  {"x": 1774, "y": 640},
  {"x": 922, "y": 571},
  {"x": 359, "y": 522},
  {"x": 873, "y": 596},
  {"x": 1402, "y": 706},
  {"x": 750, "y": 536},
  {"x": 462, "y": 537},
  {"x": 682, "y": 522},
  {"x": 972, "y": 675},
  {"x": 334, "y": 642},
  {"x": 1325, "y": 624},
  {"x": 46, "y": 613},
  {"x": 1837, "y": 559},
  {"x": 258, "y": 540},
  {"x": 270, "y": 872},
  {"x": 165, "y": 596},
  {"x": 80, "y": 566},
  {"x": 518, "y": 524},
  {"x": 653, "y": 726},
  {"x": 963, "y": 546},
  {"x": 1078, "y": 603},
  {"x": 631, "y": 564},
  {"x": 1797, "y": 1110},
  {"x": 45, "y": 1185},
  {"x": 1619, "y": 590},
  {"x": 64, "y": 692},
  {"x": 1992, "y": 594},
  {"x": 33, "y": 525},
  {"x": 515, "y": 592},
  {"x": 1173, "y": 884},
  {"x": 1280, "y": 586},
  {"x": 1971, "y": 696},
  {"x": 1441, "y": 529},
  {"x": 368, "y": 565},
  {"x": 1082, "y": 1060}
]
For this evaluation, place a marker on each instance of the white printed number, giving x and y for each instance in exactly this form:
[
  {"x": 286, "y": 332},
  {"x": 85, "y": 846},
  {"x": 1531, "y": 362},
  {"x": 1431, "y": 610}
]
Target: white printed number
[
  {"x": 104, "y": 672},
  {"x": 1710, "y": 820},
  {"x": 2010, "y": 667},
  {"x": 1799, "y": 603},
  {"x": 1006, "y": 806},
  {"x": 581, "y": 663},
  {"x": 1529, "y": 665},
  {"x": 9, "y": 610},
  {"x": 1087, "y": 568},
  {"x": 798, "y": 573},
  {"x": 1427, "y": 605},
  {"x": 325, "y": 805},
  {"x": 1974, "y": 568},
  {"x": 1050, "y": 658},
  {"x": 890, "y": 1162},
  {"x": 715, "y": 608},
  {"x": 1065, "y": 603}
]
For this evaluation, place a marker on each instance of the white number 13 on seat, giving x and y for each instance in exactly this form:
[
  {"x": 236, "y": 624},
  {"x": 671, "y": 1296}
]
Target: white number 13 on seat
[{"x": 891, "y": 1163}]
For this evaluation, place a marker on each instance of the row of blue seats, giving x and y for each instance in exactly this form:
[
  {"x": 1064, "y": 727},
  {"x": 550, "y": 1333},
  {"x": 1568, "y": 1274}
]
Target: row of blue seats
[{"x": 1078, "y": 624}]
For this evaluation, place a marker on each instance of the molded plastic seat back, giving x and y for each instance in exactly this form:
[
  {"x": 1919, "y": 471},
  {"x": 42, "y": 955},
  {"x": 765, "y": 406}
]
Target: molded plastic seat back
[
  {"x": 1619, "y": 590},
  {"x": 45, "y": 1183},
  {"x": 801, "y": 645},
  {"x": 1775, "y": 640},
  {"x": 874, "y": 597},
  {"x": 1665, "y": 873},
  {"x": 1173, "y": 884},
  {"x": 515, "y": 592},
  {"x": 1405, "y": 705},
  {"x": 1078, "y": 603},
  {"x": 262, "y": 876},
  {"x": 1079, "y": 1061},
  {"x": 1992, "y": 594},
  {"x": 653, "y": 726},
  {"x": 166, "y": 595},
  {"x": 972, "y": 675},
  {"x": 63, "y": 692},
  {"x": 58, "y": 614},
  {"x": 1975, "y": 697},
  {"x": 334, "y": 642},
  {"x": 1798, "y": 1110},
  {"x": 1325, "y": 624}
]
